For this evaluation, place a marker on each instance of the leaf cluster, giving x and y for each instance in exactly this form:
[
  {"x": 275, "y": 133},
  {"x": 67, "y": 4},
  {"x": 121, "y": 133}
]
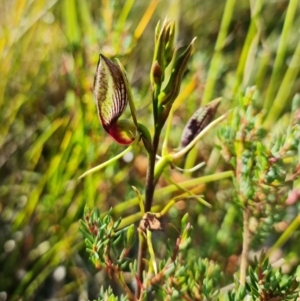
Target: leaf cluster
[{"x": 266, "y": 283}]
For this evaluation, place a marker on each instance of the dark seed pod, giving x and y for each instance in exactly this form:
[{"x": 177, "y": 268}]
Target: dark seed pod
[{"x": 200, "y": 120}]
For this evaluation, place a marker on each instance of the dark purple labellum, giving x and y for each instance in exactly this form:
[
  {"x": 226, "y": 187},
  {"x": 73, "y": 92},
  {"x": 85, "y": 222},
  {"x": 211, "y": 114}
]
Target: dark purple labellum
[{"x": 200, "y": 120}]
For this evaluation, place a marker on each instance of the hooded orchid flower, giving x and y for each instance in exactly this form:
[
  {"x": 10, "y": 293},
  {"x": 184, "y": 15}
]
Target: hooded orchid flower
[{"x": 111, "y": 96}]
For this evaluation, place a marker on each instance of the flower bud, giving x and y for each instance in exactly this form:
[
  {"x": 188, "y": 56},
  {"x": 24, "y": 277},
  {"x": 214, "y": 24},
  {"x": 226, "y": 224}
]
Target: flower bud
[
  {"x": 171, "y": 91},
  {"x": 111, "y": 97},
  {"x": 156, "y": 72},
  {"x": 169, "y": 48},
  {"x": 200, "y": 119},
  {"x": 164, "y": 41}
]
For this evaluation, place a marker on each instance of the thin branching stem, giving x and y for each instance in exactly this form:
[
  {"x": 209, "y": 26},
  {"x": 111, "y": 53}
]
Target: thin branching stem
[
  {"x": 246, "y": 243},
  {"x": 119, "y": 279}
]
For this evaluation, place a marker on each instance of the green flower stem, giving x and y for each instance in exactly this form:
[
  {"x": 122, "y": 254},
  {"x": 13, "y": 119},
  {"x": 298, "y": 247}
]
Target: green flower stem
[
  {"x": 106, "y": 163},
  {"x": 156, "y": 92},
  {"x": 160, "y": 166},
  {"x": 164, "y": 150},
  {"x": 190, "y": 160}
]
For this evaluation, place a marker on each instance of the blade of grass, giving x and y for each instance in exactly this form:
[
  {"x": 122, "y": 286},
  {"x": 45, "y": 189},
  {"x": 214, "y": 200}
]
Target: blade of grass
[
  {"x": 145, "y": 19},
  {"x": 38, "y": 12},
  {"x": 124, "y": 15},
  {"x": 19, "y": 7},
  {"x": 70, "y": 17},
  {"x": 86, "y": 22},
  {"x": 216, "y": 61},
  {"x": 46, "y": 263},
  {"x": 285, "y": 89},
  {"x": 294, "y": 225},
  {"x": 263, "y": 64},
  {"x": 35, "y": 195},
  {"x": 281, "y": 52},
  {"x": 252, "y": 38},
  {"x": 8, "y": 120},
  {"x": 107, "y": 16},
  {"x": 33, "y": 153}
]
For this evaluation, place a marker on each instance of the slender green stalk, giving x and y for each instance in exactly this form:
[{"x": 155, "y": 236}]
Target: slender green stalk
[
  {"x": 285, "y": 89},
  {"x": 280, "y": 56},
  {"x": 127, "y": 6},
  {"x": 263, "y": 65},
  {"x": 106, "y": 163},
  {"x": 246, "y": 243},
  {"x": 252, "y": 37},
  {"x": 119, "y": 278},
  {"x": 214, "y": 70},
  {"x": 164, "y": 150},
  {"x": 183, "y": 151},
  {"x": 295, "y": 224},
  {"x": 161, "y": 165}
]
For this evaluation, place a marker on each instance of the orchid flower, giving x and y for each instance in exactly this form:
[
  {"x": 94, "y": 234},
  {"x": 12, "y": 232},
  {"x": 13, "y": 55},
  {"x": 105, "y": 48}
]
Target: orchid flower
[{"x": 111, "y": 96}]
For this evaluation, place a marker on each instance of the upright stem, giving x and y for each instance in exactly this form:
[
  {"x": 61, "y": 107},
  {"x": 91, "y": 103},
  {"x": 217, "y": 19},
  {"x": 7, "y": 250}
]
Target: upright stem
[
  {"x": 150, "y": 184},
  {"x": 149, "y": 192},
  {"x": 246, "y": 242}
]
